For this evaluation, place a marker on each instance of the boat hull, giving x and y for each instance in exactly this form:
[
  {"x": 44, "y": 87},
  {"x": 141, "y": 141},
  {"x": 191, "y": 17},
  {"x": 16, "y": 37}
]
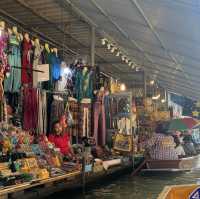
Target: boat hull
[{"x": 183, "y": 164}]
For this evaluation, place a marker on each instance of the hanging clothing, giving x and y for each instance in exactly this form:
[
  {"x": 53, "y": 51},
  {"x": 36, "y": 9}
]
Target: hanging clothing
[
  {"x": 55, "y": 61},
  {"x": 85, "y": 118},
  {"x": 57, "y": 110},
  {"x": 46, "y": 58},
  {"x": 3, "y": 48},
  {"x": 42, "y": 112},
  {"x": 3, "y": 111},
  {"x": 13, "y": 82},
  {"x": 74, "y": 129},
  {"x": 27, "y": 62},
  {"x": 3, "y": 60},
  {"x": 84, "y": 84},
  {"x": 88, "y": 84},
  {"x": 99, "y": 131},
  {"x": 30, "y": 109},
  {"x": 79, "y": 85},
  {"x": 36, "y": 61}
]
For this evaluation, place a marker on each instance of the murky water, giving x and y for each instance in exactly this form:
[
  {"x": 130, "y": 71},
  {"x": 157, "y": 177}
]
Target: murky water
[{"x": 127, "y": 187}]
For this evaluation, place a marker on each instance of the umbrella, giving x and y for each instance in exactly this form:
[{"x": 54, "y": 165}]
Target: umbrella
[
  {"x": 197, "y": 126},
  {"x": 181, "y": 124}
]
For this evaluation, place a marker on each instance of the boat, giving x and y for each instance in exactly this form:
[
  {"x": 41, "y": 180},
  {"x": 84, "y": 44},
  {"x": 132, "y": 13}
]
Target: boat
[
  {"x": 183, "y": 164},
  {"x": 72, "y": 180},
  {"x": 188, "y": 191}
]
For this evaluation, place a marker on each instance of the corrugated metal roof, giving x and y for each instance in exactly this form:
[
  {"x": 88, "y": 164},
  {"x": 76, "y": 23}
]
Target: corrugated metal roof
[{"x": 161, "y": 36}]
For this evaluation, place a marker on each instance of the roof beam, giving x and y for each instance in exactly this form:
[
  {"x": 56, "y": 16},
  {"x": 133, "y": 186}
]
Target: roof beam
[{"x": 148, "y": 22}]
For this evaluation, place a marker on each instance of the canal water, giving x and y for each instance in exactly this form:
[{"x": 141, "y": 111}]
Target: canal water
[{"x": 127, "y": 187}]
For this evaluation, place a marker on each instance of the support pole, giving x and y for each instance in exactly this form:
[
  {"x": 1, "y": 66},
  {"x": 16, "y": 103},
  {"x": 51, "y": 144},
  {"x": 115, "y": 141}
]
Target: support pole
[
  {"x": 92, "y": 55},
  {"x": 145, "y": 85}
]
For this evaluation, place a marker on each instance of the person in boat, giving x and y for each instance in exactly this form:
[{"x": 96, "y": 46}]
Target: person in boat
[
  {"x": 61, "y": 140},
  {"x": 161, "y": 145},
  {"x": 179, "y": 148},
  {"x": 189, "y": 145}
]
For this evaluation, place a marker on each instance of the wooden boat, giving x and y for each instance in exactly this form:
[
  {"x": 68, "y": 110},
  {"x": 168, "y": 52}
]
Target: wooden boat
[
  {"x": 183, "y": 164},
  {"x": 44, "y": 188},
  {"x": 179, "y": 192}
]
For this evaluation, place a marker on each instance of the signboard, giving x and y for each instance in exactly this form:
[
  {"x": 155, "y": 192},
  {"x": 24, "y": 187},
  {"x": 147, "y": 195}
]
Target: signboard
[
  {"x": 195, "y": 194},
  {"x": 123, "y": 143}
]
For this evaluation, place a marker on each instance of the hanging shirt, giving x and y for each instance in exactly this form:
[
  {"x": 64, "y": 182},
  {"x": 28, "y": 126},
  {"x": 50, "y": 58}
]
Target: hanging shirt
[
  {"x": 61, "y": 142},
  {"x": 55, "y": 67}
]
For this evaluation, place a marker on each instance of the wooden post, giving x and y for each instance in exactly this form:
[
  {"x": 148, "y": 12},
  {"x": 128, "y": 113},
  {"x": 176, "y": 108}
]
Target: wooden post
[{"x": 92, "y": 46}]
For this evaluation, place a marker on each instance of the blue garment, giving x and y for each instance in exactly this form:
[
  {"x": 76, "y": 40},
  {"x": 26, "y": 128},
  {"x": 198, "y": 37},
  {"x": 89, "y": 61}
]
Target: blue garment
[
  {"x": 13, "y": 82},
  {"x": 55, "y": 70}
]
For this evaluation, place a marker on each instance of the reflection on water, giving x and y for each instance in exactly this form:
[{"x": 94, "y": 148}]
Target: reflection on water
[{"x": 127, "y": 187}]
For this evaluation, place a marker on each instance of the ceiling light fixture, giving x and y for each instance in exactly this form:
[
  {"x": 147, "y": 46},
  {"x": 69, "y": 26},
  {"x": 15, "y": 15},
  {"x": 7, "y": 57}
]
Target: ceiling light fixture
[
  {"x": 156, "y": 97},
  {"x": 123, "y": 57},
  {"x": 113, "y": 49},
  {"x": 109, "y": 46},
  {"x": 122, "y": 87},
  {"x": 163, "y": 100},
  {"x": 103, "y": 41},
  {"x": 152, "y": 82},
  {"x": 118, "y": 53}
]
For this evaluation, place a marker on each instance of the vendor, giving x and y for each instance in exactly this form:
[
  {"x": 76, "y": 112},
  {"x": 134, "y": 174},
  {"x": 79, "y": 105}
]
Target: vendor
[{"x": 61, "y": 140}]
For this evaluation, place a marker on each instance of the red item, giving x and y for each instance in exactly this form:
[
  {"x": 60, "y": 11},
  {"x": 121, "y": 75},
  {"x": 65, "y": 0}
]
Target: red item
[
  {"x": 30, "y": 102},
  {"x": 61, "y": 142},
  {"x": 27, "y": 75}
]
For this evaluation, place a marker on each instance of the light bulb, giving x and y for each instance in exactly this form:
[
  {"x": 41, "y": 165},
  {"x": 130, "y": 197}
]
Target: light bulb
[
  {"x": 109, "y": 46},
  {"x": 123, "y": 57},
  {"x": 112, "y": 50},
  {"x": 163, "y": 100},
  {"x": 103, "y": 41},
  {"x": 133, "y": 66},
  {"x": 156, "y": 97},
  {"x": 122, "y": 87},
  {"x": 152, "y": 82},
  {"x": 126, "y": 60}
]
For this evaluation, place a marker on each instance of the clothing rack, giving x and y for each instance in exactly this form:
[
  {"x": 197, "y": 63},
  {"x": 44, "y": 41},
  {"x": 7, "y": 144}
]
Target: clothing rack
[{"x": 28, "y": 69}]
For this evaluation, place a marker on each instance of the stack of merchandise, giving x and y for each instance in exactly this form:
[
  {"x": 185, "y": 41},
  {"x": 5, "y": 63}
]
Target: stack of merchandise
[{"x": 21, "y": 160}]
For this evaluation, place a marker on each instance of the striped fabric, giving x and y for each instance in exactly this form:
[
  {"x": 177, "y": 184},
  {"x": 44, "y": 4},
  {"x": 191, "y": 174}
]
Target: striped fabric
[{"x": 161, "y": 147}]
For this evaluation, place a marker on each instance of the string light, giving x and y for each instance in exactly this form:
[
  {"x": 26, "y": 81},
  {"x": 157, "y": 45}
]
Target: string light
[{"x": 113, "y": 48}]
